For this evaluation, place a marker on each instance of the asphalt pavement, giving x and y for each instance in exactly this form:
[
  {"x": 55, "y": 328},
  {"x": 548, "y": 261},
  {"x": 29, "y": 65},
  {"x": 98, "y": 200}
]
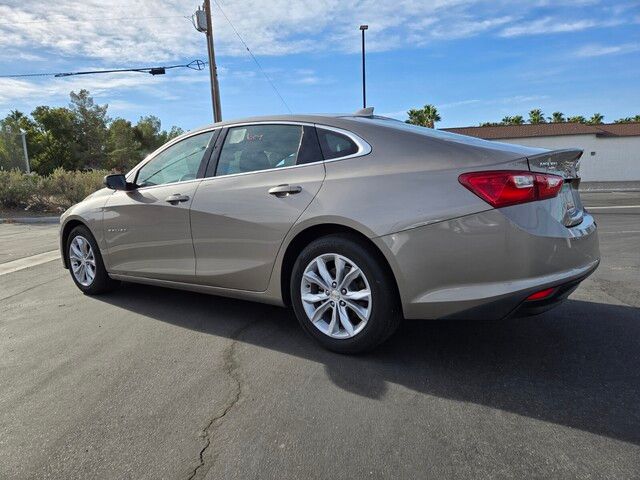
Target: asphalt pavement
[{"x": 153, "y": 383}]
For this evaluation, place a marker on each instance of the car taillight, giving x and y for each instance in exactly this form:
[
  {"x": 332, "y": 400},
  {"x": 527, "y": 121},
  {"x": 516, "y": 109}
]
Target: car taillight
[
  {"x": 541, "y": 295},
  {"x": 509, "y": 187}
]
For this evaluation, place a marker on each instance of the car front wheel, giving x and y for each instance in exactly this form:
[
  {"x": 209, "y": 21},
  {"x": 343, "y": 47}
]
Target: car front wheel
[
  {"x": 342, "y": 296},
  {"x": 85, "y": 263}
]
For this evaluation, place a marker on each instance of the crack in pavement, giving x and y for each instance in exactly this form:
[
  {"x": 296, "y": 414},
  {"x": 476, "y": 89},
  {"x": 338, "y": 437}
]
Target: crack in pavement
[
  {"x": 230, "y": 367},
  {"x": 29, "y": 289}
]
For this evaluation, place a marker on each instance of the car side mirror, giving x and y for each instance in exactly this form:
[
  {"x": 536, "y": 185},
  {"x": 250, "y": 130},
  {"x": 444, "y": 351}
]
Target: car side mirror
[{"x": 117, "y": 181}]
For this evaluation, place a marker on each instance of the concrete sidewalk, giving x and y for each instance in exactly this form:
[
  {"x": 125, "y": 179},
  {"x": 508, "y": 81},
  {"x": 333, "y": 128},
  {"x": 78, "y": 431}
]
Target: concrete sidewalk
[{"x": 632, "y": 186}]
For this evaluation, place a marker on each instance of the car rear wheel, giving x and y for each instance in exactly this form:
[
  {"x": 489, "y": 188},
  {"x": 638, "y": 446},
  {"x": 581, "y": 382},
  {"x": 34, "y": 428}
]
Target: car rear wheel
[
  {"x": 342, "y": 296},
  {"x": 85, "y": 263}
]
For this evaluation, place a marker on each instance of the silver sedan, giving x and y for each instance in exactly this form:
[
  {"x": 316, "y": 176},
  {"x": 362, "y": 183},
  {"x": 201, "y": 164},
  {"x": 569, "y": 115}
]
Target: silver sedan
[{"x": 356, "y": 221}]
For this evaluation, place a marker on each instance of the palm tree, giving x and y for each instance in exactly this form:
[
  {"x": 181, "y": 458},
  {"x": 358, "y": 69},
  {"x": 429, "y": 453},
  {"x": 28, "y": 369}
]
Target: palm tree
[
  {"x": 536, "y": 116},
  {"x": 515, "y": 120},
  {"x": 557, "y": 117},
  {"x": 596, "y": 119},
  {"x": 426, "y": 116},
  {"x": 633, "y": 119},
  {"x": 577, "y": 119}
]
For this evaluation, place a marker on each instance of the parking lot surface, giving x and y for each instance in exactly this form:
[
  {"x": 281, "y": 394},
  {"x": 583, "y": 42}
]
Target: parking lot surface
[{"x": 152, "y": 383}]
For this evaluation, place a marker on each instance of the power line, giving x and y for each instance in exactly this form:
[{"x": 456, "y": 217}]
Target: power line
[
  {"x": 194, "y": 65},
  {"x": 252, "y": 56}
]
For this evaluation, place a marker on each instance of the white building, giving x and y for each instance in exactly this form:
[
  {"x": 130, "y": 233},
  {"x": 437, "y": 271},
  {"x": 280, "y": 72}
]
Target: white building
[{"x": 611, "y": 151}]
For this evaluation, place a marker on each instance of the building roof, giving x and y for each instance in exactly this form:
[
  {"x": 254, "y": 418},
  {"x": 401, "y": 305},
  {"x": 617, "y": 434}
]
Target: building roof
[{"x": 496, "y": 132}]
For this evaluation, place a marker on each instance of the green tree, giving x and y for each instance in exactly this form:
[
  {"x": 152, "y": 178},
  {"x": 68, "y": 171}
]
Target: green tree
[
  {"x": 426, "y": 116},
  {"x": 148, "y": 132},
  {"x": 174, "y": 132},
  {"x": 557, "y": 117},
  {"x": 81, "y": 136},
  {"x": 122, "y": 146},
  {"x": 536, "y": 116},
  {"x": 577, "y": 119},
  {"x": 596, "y": 119},
  {"x": 57, "y": 130},
  {"x": 91, "y": 129}
]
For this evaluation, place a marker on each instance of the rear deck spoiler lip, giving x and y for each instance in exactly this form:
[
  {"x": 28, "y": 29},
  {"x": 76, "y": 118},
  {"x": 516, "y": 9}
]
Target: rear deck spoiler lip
[{"x": 564, "y": 162}]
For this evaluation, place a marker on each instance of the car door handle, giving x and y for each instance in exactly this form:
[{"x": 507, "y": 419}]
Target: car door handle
[
  {"x": 284, "y": 190},
  {"x": 176, "y": 198}
]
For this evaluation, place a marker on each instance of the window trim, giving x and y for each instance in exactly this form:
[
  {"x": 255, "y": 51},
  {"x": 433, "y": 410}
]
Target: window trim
[{"x": 363, "y": 147}]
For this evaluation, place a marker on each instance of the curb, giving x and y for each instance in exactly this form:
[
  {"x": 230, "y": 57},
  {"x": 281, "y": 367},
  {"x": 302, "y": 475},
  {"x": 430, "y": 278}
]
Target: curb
[
  {"x": 603, "y": 187},
  {"x": 44, "y": 220}
]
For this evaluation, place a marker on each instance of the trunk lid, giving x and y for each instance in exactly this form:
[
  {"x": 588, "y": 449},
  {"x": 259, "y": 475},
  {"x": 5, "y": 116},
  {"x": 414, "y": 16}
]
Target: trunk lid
[{"x": 566, "y": 207}]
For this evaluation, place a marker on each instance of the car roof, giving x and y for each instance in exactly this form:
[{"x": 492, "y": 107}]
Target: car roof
[{"x": 336, "y": 120}]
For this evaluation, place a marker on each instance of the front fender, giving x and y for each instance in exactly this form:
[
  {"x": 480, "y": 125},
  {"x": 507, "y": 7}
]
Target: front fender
[{"x": 89, "y": 213}]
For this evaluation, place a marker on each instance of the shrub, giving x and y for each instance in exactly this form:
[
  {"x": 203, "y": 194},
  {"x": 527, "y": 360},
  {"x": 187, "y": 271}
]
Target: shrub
[
  {"x": 52, "y": 193},
  {"x": 16, "y": 188},
  {"x": 68, "y": 188}
]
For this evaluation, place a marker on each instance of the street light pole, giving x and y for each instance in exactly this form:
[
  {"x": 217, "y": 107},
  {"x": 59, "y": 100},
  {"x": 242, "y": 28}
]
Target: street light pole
[
  {"x": 23, "y": 134},
  {"x": 204, "y": 23},
  {"x": 364, "y": 81}
]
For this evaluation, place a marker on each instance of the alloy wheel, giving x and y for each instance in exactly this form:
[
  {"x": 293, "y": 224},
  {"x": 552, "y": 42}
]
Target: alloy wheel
[
  {"x": 82, "y": 260},
  {"x": 336, "y": 296}
]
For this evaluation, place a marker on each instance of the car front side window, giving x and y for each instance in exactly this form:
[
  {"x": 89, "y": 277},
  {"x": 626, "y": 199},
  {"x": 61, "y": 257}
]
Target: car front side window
[{"x": 178, "y": 163}]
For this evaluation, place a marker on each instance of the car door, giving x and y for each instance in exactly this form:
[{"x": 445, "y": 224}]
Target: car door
[
  {"x": 265, "y": 176},
  {"x": 147, "y": 229}
]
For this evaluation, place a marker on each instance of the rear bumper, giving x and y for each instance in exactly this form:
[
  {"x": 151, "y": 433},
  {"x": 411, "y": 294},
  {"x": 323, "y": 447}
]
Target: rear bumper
[
  {"x": 485, "y": 265},
  {"x": 516, "y": 305}
]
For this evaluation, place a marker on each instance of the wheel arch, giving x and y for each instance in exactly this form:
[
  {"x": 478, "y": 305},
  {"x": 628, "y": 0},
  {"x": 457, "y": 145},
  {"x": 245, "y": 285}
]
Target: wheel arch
[
  {"x": 68, "y": 226},
  {"x": 313, "y": 232}
]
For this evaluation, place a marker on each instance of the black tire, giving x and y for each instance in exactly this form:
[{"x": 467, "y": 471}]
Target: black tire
[
  {"x": 385, "y": 315},
  {"x": 102, "y": 283}
]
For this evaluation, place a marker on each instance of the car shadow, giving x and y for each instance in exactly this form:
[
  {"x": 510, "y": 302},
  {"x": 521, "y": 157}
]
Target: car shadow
[{"x": 577, "y": 365}]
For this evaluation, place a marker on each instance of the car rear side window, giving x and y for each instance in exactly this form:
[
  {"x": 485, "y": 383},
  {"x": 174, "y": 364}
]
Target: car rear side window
[
  {"x": 252, "y": 148},
  {"x": 335, "y": 145}
]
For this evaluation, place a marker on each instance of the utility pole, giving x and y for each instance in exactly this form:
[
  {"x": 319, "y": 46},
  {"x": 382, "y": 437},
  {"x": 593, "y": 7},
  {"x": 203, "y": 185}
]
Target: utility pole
[
  {"x": 364, "y": 81},
  {"x": 23, "y": 134},
  {"x": 204, "y": 23}
]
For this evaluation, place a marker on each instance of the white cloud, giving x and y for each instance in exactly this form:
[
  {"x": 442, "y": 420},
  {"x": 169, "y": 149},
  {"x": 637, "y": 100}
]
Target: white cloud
[
  {"x": 120, "y": 32},
  {"x": 468, "y": 27},
  {"x": 544, "y": 26},
  {"x": 149, "y": 30},
  {"x": 307, "y": 80},
  {"x": 459, "y": 103},
  {"x": 66, "y": 34},
  {"x": 596, "y": 50}
]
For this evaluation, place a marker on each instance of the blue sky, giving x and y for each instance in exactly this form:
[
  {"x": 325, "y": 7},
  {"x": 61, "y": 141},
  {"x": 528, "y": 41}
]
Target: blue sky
[{"x": 476, "y": 60}]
